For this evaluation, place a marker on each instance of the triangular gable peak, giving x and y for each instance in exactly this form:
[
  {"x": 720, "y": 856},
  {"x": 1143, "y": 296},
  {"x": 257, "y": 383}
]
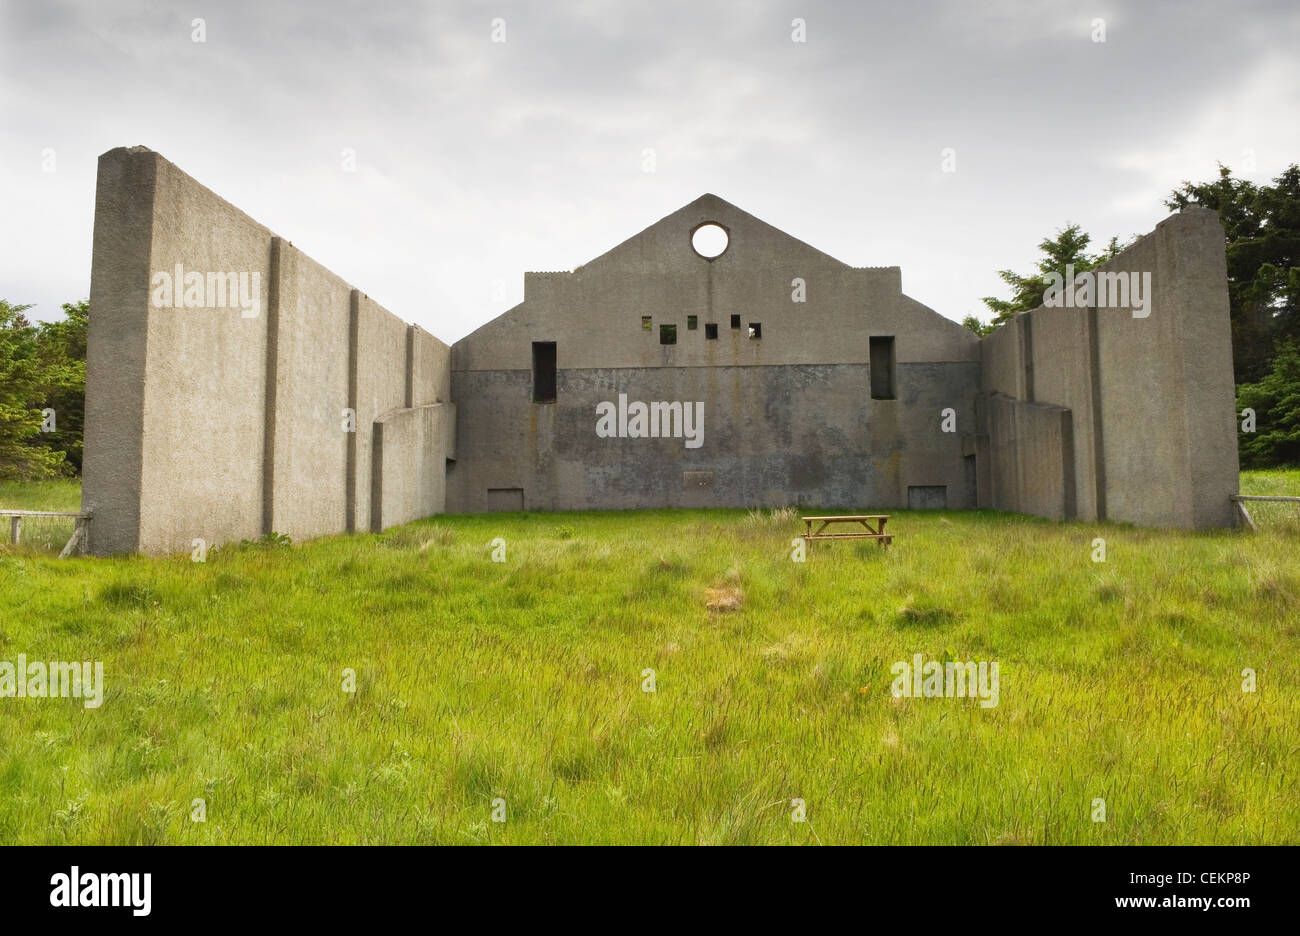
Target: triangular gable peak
[{"x": 667, "y": 243}]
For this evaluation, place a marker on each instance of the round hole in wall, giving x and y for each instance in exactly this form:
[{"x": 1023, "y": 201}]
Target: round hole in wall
[{"x": 710, "y": 240}]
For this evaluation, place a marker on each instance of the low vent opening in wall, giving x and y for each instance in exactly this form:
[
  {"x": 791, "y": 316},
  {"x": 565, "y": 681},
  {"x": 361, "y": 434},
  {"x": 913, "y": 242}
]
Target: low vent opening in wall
[
  {"x": 697, "y": 478},
  {"x": 505, "y": 499},
  {"x": 927, "y": 497}
]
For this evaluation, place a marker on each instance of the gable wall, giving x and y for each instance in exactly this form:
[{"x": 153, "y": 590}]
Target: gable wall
[{"x": 789, "y": 418}]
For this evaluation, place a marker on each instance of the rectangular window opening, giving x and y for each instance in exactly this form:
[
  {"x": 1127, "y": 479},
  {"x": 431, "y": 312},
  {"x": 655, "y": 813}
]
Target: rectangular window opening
[
  {"x": 882, "y": 367},
  {"x": 711, "y": 330},
  {"x": 755, "y": 330},
  {"x": 543, "y": 371},
  {"x": 668, "y": 334},
  {"x": 691, "y": 322},
  {"x": 735, "y": 321},
  {"x": 645, "y": 323}
]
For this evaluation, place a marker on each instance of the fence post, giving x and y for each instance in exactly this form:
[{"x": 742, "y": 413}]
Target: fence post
[
  {"x": 15, "y": 529},
  {"x": 78, "y": 539},
  {"x": 1245, "y": 514}
]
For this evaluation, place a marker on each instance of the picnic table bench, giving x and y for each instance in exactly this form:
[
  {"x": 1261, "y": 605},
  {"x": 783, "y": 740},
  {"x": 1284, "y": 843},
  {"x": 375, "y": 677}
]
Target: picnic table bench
[{"x": 872, "y": 527}]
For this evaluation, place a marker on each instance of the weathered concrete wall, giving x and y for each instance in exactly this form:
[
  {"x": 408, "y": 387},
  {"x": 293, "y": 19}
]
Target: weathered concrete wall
[
  {"x": 381, "y": 388},
  {"x": 1003, "y": 363},
  {"x": 1061, "y": 375},
  {"x": 1151, "y": 397},
  {"x": 408, "y": 457},
  {"x": 429, "y": 377},
  {"x": 220, "y": 422},
  {"x": 1167, "y": 395},
  {"x": 310, "y": 453},
  {"x": 196, "y": 410},
  {"x": 116, "y": 349},
  {"x": 186, "y": 403},
  {"x": 1032, "y": 457},
  {"x": 789, "y": 417}
]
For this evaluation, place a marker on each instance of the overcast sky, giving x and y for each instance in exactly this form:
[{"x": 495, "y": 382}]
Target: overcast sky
[{"x": 477, "y": 160}]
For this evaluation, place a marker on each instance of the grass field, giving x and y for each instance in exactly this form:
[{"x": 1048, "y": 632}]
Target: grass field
[{"x": 523, "y": 681}]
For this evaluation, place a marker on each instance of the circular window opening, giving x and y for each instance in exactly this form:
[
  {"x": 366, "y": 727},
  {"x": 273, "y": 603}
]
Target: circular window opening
[{"x": 710, "y": 240}]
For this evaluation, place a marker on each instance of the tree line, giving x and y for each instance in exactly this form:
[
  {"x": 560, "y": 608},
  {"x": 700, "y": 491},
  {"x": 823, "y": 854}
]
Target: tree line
[{"x": 42, "y": 392}]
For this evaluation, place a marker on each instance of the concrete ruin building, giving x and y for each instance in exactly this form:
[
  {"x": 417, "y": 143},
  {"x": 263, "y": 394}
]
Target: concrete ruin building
[{"x": 235, "y": 387}]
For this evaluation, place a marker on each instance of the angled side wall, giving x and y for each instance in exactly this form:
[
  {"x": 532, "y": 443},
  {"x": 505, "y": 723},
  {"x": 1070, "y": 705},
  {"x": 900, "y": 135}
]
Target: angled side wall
[
  {"x": 116, "y": 345},
  {"x": 226, "y": 420},
  {"x": 308, "y": 480},
  {"x": 1031, "y": 455},
  {"x": 1150, "y": 397},
  {"x": 407, "y": 458},
  {"x": 380, "y": 388}
]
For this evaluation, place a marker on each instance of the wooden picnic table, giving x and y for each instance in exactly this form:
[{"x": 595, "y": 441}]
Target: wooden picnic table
[{"x": 872, "y": 527}]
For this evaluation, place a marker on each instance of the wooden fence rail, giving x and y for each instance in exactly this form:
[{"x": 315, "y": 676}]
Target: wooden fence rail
[
  {"x": 78, "y": 538},
  {"x": 1240, "y": 499}
]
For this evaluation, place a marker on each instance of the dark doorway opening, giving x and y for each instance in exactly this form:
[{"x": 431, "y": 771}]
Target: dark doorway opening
[
  {"x": 882, "y": 367},
  {"x": 543, "y": 371}
]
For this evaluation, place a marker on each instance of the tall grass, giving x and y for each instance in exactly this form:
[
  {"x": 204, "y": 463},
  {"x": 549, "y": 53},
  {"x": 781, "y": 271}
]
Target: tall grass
[
  {"x": 62, "y": 495},
  {"x": 43, "y": 534},
  {"x": 1281, "y": 517},
  {"x": 523, "y": 681}
]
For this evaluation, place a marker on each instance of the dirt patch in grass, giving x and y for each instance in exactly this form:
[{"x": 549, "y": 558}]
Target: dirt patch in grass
[{"x": 723, "y": 598}]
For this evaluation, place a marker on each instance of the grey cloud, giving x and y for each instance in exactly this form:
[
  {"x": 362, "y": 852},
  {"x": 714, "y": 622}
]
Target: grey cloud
[{"x": 479, "y": 161}]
